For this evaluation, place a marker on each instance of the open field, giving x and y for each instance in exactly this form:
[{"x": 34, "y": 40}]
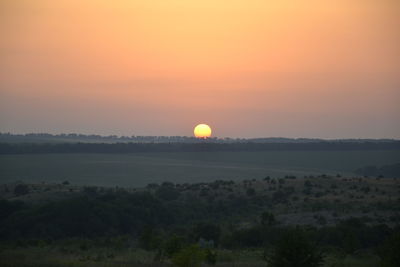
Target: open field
[{"x": 140, "y": 169}]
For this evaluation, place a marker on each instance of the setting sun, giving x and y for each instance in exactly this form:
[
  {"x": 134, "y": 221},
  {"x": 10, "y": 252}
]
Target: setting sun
[{"x": 202, "y": 131}]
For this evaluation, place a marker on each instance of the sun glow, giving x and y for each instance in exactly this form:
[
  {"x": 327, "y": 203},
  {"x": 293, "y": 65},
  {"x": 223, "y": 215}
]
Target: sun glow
[{"x": 202, "y": 131}]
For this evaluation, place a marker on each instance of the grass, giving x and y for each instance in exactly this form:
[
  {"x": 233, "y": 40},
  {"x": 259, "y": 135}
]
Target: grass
[
  {"x": 49, "y": 257},
  {"x": 139, "y": 169},
  {"x": 364, "y": 260},
  {"x": 52, "y": 257}
]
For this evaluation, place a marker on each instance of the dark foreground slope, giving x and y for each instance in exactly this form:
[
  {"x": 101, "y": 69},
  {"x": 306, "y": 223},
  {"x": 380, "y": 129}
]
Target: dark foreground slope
[{"x": 341, "y": 215}]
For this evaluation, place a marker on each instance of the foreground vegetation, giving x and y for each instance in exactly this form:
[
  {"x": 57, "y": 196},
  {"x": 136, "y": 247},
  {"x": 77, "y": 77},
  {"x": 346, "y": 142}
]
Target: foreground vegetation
[
  {"x": 52, "y": 256},
  {"x": 341, "y": 221}
]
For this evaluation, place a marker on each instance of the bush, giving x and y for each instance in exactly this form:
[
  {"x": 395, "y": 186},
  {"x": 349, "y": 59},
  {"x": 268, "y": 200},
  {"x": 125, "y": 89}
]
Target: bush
[
  {"x": 21, "y": 190},
  {"x": 173, "y": 245},
  {"x": 167, "y": 193},
  {"x": 294, "y": 250},
  {"x": 90, "y": 190},
  {"x": 267, "y": 218},
  {"x": 389, "y": 251},
  {"x": 307, "y": 184},
  {"x": 207, "y": 231},
  {"x": 191, "y": 256},
  {"x": 250, "y": 192},
  {"x": 211, "y": 257},
  {"x": 8, "y": 208},
  {"x": 279, "y": 196},
  {"x": 149, "y": 239}
]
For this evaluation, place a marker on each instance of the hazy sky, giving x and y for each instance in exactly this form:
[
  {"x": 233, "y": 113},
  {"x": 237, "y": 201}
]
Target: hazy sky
[{"x": 248, "y": 68}]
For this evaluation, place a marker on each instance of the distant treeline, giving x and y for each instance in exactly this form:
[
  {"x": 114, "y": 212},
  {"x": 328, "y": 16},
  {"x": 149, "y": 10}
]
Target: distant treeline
[
  {"x": 95, "y": 138},
  {"x": 33, "y": 148}
]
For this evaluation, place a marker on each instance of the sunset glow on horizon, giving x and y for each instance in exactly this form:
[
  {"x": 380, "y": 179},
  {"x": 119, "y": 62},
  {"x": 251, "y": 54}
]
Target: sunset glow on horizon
[{"x": 326, "y": 69}]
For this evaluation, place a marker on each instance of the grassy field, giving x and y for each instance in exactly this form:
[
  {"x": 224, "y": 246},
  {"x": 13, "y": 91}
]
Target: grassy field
[{"x": 139, "y": 169}]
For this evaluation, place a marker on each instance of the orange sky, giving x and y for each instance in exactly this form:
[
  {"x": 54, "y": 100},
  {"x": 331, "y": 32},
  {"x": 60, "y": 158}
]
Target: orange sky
[{"x": 250, "y": 68}]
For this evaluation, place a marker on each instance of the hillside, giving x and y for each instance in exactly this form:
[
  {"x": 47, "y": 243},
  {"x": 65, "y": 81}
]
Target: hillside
[
  {"x": 114, "y": 226},
  {"x": 309, "y": 200}
]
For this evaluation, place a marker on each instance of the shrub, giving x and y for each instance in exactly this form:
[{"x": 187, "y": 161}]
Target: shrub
[
  {"x": 21, "y": 190},
  {"x": 211, "y": 257},
  {"x": 389, "y": 251},
  {"x": 149, "y": 239},
  {"x": 191, "y": 256},
  {"x": 250, "y": 192},
  {"x": 267, "y": 218},
  {"x": 168, "y": 193},
  {"x": 279, "y": 196},
  {"x": 207, "y": 231},
  {"x": 294, "y": 250},
  {"x": 90, "y": 190},
  {"x": 307, "y": 184},
  {"x": 171, "y": 246}
]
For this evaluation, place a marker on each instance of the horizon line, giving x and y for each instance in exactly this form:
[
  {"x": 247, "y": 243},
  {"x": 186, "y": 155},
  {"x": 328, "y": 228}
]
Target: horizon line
[{"x": 114, "y": 136}]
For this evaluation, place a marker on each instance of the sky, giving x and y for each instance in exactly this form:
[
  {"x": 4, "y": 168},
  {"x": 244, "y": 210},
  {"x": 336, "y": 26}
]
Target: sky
[{"x": 248, "y": 68}]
